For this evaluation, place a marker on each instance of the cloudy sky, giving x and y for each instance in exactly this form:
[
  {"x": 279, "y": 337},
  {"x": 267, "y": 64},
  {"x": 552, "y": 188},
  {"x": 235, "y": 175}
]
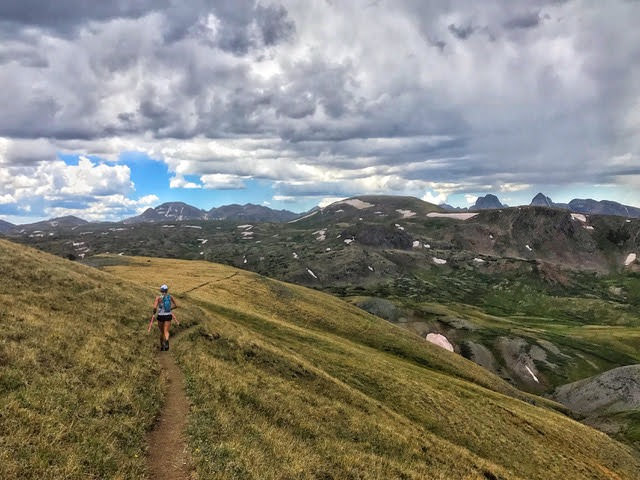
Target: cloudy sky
[{"x": 110, "y": 107}]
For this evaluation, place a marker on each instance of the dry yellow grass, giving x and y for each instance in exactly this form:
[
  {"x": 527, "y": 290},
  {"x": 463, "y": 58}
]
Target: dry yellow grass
[
  {"x": 78, "y": 382},
  {"x": 287, "y": 382}
]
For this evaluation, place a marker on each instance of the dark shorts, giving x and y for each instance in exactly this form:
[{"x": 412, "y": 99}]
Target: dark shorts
[{"x": 164, "y": 318}]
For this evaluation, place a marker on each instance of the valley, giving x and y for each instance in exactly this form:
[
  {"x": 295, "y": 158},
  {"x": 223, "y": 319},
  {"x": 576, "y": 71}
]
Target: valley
[{"x": 538, "y": 296}]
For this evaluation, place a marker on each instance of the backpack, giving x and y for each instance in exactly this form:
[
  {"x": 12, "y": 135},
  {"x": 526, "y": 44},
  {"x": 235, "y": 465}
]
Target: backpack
[{"x": 164, "y": 304}]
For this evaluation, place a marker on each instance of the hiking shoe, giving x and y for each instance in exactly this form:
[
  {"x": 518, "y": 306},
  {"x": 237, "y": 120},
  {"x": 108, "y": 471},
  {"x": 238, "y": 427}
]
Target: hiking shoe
[{"x": 166, "y": 345}]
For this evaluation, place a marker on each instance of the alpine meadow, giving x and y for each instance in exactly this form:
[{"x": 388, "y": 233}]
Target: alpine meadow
[{"x": 320, "y": 240}]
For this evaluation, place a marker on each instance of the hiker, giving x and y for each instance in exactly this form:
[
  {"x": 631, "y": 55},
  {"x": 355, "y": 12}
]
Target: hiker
[{"x": 162, "y": 311}]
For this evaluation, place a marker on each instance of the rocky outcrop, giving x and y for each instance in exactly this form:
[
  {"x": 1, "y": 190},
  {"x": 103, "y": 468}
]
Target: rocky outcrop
[
  {"x": 487, "y": 202},
  {"x": 604, "y": 207},
  {"x": 613, "y": 391}
]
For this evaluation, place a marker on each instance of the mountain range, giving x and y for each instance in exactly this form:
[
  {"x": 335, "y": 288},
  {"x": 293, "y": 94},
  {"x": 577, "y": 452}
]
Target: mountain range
[
  {"x": 6, "y": 226},
  {"x": 178, "y": 211},
  {"x": 69, "y": 221},
  {"x": 577, "y": 205},
  {"x": 511, "y": 289}
]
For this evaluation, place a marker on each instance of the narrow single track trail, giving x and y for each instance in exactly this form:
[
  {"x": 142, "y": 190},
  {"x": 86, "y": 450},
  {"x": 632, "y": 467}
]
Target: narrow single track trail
[{"x": 168, "y": 457}]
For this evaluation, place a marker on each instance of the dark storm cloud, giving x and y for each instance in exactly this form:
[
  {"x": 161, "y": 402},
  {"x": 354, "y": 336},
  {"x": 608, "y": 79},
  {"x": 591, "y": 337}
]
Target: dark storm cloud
[
  {"x": 61, "y": 15},
  {"x": 274, "y": 24},
  {"x": 23, "y": 55},
  {"x": 462, "y": 32},
  {"x": 458, "y": 92},
  {"x": 525, "y": 20}
]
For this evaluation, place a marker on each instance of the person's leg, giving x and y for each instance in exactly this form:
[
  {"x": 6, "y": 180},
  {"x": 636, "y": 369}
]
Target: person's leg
[
  {"x": 167, "y": 324},
  {"x": 161, "y": 329}
]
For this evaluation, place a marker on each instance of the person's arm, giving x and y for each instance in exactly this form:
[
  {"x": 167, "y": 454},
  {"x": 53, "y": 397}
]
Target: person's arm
[{"x": 173, "y": 315}]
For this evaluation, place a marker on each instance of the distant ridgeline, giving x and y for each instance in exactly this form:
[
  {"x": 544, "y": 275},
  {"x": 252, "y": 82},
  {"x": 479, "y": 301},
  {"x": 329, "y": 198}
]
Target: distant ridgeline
[
  {"x": 182, "y": 211},
  {"x": 577, "y": 205}
]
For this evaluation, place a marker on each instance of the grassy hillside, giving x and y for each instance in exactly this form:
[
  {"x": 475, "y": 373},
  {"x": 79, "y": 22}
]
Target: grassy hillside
[
  {"x": 286, "y": 382},
  {"x": 78, "y": 383}
]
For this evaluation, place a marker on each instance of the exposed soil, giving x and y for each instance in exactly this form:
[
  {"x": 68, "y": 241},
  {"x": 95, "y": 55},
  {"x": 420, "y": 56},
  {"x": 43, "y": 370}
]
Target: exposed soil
[{"x": 168, "y": 454}]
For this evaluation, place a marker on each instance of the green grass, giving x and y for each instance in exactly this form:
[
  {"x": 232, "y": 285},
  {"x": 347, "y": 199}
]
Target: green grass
[
  {"x": 286, "y": 382},
  {"x": 78, "y": 384}
]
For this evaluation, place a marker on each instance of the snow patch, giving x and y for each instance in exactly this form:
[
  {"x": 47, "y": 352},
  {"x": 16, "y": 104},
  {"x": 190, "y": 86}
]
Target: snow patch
[
  {"x": 370, "y": 268},
  {"x": 627, "y": 221},
  {"x": 193, "y": 226},
  {"x": 247, "y": 234},
  {"x": 203, "y": 240},
  {"x": 311, "y": 273},
  {"x": 339, "y": 211},
  {"x": 533, "y": 375},
  {"x": 164, "y": 226},
  {"x": 528, "y": 248},
  {"x": 302, "y": 218},
  {"x": 295, "y": 255},
  {"x": 630, "y": 259},
  {"x": 439, "y": 261},
  {"x": 245, "y": 227},
  {"x": 399, "y": 227},
  {"x": 578, "y": 216},
  {"x": 416, "y": 244},
  {"x": 321, "y": 235},
  {"x": 589, "y": 227},
  {"x": 327, "y": 249},
  {"x": 357, "y": 203},
  {"x": 440, "y": 340},
  {"x": 456, "y": 216},
  {"x": 348, "y": 240},
  {"x": 201, "y": 253},
  {"x": 121, "y": 253},
  {"x": 244, "y": 260},
  {"x": 78, "y": 244},
  {"x": 426, "y": 245},
  {"x": 86, "y": 233},
  {"x": 478, "y": 260},
  {"x": 406, "y": 213}
]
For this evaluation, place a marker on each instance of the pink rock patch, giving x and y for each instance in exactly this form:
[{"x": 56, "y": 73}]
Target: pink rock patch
[{"x": 440, "y": 340}]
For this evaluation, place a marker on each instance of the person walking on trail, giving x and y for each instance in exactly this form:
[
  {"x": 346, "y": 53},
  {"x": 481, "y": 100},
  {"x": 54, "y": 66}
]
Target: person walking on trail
[{"x": 162, "y": 307}]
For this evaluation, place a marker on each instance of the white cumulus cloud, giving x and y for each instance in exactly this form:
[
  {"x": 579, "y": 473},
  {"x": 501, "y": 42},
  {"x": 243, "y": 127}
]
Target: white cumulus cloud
[{"x": 436, "y": 199}]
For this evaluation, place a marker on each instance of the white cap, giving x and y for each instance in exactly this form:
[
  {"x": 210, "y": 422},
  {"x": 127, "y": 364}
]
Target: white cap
[{"x": 164, "y": 288}]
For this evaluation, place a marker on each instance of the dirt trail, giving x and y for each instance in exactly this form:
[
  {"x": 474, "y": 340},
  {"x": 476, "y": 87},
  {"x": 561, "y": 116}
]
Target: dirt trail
[{"x": 168, "y": 454}]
